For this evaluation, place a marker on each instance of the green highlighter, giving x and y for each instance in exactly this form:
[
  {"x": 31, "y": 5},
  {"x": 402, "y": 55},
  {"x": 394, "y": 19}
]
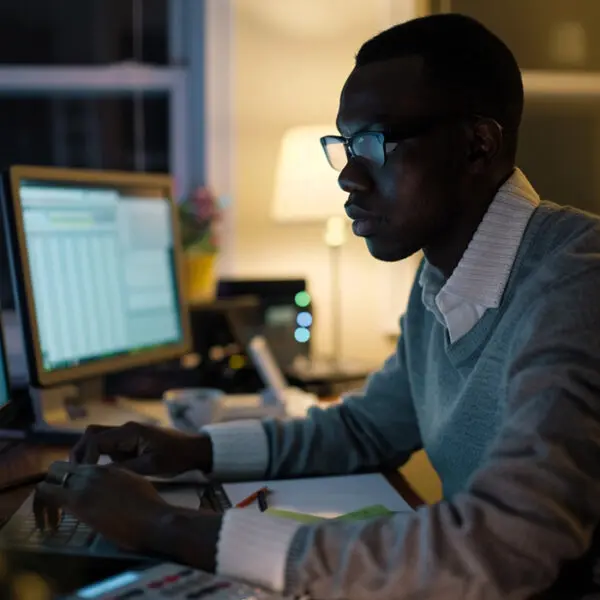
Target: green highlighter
[{"x": 369, "y": 512}]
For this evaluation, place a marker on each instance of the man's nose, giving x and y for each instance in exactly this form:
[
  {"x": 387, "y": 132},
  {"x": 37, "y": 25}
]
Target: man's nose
[{"x": 353, "y": 178}]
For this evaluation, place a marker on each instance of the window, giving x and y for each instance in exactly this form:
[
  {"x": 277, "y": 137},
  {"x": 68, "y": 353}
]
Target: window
[
  {"x": 78, "y": 32},
  {"x": 85, "y": 130},
  {"x": 102, "y": 84},
  {"x": 89, "y": 84}
]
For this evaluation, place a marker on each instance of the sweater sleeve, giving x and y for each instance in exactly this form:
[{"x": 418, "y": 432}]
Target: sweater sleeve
[
  {"x": 531, "y": 508},
  {"x": 376, "y": 428}
]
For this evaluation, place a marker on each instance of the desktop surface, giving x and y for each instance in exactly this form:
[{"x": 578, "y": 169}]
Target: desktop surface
[{"x": 27, "y": 458}]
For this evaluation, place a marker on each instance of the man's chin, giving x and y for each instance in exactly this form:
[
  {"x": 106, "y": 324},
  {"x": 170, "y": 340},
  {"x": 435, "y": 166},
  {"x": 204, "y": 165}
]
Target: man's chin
[{"x": 388, "y": 252}]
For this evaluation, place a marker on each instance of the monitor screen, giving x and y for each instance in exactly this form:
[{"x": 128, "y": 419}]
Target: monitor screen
[{"x": 102, "y": 271}]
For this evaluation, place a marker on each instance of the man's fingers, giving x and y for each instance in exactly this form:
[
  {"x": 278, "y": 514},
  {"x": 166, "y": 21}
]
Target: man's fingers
[
  {"x": 54, "y": 516},
  {"x": 114, "y": 441},
  {"x": 58, "y": 470},
  {"x": 81, "y": 447},
  {"x": 39, "y": 512},
  {"x": 47, "y": 504},
  {"x": 51, "y": 494}
]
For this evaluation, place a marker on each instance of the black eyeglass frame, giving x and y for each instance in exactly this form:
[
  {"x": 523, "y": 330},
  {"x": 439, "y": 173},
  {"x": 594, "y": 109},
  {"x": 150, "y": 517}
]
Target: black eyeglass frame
[{"x": 393, "y": 136}]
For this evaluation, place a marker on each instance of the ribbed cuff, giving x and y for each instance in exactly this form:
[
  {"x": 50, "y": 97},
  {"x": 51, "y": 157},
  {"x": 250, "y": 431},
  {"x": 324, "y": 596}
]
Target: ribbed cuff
[
  {"x": 254, "y": 547},
  {"x": 296, "y": 552},
  {"x": 240, "y": 450}
]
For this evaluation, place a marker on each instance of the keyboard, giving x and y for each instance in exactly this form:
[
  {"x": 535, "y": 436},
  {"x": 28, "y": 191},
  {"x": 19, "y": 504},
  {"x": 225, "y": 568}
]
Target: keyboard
[
  {"x": 74, "y": 539},
  {"x": 73, "y": 536},
  {"x": 70, "y": 532},
  {"x": 70, "y": 537}
]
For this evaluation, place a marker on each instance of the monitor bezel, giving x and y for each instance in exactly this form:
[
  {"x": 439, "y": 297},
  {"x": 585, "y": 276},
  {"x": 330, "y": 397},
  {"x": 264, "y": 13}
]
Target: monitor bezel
[{"x": 40, "y": 377}]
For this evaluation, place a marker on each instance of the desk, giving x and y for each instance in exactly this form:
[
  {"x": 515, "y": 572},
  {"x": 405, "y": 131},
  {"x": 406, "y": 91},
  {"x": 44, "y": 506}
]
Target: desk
[{"x": 25, "y": 459}]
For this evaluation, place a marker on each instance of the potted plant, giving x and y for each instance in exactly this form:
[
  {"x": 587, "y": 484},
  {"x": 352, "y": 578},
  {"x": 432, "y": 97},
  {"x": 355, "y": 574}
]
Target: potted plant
[{"x": 200, "y": 216}]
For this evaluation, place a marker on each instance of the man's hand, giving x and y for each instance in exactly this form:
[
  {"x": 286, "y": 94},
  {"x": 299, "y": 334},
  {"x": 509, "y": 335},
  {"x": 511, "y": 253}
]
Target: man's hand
[
  {"x": 145, "y": 449},
  {"x": 118, "y": 504},
  {"x": 126, "y": 509}
]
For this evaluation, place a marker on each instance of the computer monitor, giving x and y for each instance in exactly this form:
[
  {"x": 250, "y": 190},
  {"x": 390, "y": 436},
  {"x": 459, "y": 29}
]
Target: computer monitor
[
  {"x": 97, "y": 271},
  {"x": 10, "y": 403}
]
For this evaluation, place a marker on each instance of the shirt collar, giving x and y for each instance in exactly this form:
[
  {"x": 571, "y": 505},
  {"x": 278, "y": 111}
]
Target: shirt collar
[{"x": 482, "y": 273}]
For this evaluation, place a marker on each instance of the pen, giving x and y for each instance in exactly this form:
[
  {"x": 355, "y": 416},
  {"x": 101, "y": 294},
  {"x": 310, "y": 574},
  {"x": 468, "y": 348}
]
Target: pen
[
  {"x": 251, "y": 498},
  {"x": 262, "y": 500}
]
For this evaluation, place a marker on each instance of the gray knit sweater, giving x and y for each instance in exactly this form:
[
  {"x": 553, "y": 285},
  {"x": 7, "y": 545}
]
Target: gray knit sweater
[{"x": 510, "y": 418}]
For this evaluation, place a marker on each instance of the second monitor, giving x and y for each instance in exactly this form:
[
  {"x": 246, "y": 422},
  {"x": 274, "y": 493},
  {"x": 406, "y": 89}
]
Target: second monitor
[{"x": 96, "y": 266}]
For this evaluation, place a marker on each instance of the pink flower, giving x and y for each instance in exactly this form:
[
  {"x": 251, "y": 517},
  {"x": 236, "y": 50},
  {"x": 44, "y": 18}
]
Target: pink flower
[
  {"x": 204, "y": 204},
  {"x": 202, "y": 216}
]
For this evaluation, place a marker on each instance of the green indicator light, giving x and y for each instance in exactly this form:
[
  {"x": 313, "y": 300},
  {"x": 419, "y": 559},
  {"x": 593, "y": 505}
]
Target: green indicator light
[{"x": 302, "y": 299}]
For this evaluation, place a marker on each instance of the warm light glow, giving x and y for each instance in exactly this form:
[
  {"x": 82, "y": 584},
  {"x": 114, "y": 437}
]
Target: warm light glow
[{"x": 306, "y": 188}]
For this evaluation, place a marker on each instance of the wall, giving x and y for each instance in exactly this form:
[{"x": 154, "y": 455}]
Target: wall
[{"x": 291, "y": 59}]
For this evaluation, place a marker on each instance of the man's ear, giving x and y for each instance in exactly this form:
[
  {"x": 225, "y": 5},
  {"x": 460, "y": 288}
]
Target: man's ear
[{"x": 485, "y": 143}]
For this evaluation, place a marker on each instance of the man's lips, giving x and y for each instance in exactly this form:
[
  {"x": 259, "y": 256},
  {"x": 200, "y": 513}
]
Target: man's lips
[
  {"x": 364, "y": 222},
  {"x": 364, "y": 227}
]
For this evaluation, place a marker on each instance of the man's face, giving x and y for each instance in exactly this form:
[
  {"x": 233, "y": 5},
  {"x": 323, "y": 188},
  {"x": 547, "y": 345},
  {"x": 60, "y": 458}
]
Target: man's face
[{"x": 412, "y": 200}]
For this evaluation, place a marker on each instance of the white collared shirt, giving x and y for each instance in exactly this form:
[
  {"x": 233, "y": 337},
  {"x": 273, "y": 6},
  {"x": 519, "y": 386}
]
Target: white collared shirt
[{"x": 479, "y": 280}]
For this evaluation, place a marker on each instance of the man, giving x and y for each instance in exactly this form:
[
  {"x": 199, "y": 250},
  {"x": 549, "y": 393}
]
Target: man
[{"x": 496, "y": 375}]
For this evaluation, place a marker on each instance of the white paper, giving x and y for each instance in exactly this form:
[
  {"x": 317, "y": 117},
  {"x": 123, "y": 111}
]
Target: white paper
[{"x": 326, "y": 497}]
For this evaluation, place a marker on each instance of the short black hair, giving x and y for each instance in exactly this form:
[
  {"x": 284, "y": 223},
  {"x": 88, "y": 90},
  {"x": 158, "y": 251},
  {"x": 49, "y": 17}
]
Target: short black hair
[{"x": 462, "y": 56}]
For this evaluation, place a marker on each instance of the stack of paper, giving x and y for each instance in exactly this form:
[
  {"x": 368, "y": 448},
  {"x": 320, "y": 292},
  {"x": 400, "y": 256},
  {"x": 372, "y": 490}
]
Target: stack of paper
[{"x": 325, "y": 497}]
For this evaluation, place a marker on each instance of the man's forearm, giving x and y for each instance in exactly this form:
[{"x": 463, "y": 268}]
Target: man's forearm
[
  {"x": 372, "y": 429},
  {"x": 187, "y": 536}
]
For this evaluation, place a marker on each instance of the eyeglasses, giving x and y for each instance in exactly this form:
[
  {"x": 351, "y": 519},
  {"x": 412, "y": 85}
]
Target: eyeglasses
[{"x": 373, "y": 147}]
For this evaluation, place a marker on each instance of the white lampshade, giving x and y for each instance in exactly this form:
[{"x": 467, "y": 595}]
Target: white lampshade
[{"x": 306, "y": 187}]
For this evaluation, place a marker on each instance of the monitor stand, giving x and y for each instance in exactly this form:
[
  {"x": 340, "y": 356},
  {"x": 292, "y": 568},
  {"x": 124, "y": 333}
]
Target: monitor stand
[{"x": 71, "y": 408}]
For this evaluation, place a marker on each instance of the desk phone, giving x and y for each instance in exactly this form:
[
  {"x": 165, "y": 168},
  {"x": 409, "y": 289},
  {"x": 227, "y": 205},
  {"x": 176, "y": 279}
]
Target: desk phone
[{"x": 169, "y": 580}]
